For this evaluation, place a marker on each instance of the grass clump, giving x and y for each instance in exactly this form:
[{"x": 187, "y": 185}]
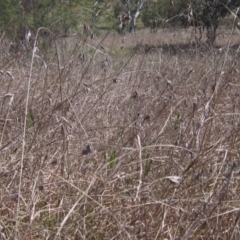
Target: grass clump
[{"x": 96, "y": 145}]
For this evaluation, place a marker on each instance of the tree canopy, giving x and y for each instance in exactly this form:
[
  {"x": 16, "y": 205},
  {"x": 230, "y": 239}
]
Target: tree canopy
[{"x": 63, "y": 16}]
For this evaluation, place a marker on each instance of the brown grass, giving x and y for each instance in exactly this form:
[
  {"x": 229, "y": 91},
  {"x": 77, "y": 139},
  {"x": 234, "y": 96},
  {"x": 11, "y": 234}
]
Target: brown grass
[{"x": 138, "y": 140}]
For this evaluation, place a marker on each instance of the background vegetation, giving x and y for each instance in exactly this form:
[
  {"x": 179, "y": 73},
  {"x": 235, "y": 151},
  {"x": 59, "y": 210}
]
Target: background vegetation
[{"x": 64, "y": 17}]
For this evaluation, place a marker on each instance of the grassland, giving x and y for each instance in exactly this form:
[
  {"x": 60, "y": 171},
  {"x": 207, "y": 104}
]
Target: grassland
[{"x": 121, "y": 137}]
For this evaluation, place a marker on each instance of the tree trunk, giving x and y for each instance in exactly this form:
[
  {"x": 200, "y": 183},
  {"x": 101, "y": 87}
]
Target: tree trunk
[
  {"x": 212, "y": 29},
  {"x": 132, "y": 26}
]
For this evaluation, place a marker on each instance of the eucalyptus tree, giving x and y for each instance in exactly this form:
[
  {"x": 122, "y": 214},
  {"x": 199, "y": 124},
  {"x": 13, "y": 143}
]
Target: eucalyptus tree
[
  {"x": 209, "y": 13},
  {"x": 134, "y": 7},
  {"x": 202, "y": 14},
  {"x": 58, "y": 16}
]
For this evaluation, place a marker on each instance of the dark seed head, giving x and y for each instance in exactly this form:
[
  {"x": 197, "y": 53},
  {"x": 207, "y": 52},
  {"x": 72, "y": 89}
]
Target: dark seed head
[
  {"x": 54, "y": 162},
  {"x": 147, "y": 118},
  {"x": 40, "y": 188},
  {"x": 87, "y": 150},
  {"x": 134, "y": 94}
]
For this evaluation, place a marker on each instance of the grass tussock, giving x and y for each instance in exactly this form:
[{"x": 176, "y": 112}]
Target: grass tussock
[{"x": 120, "y": 138}]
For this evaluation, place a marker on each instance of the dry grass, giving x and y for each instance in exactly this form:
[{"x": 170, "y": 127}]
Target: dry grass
[{"x": 138, "y": 139}]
